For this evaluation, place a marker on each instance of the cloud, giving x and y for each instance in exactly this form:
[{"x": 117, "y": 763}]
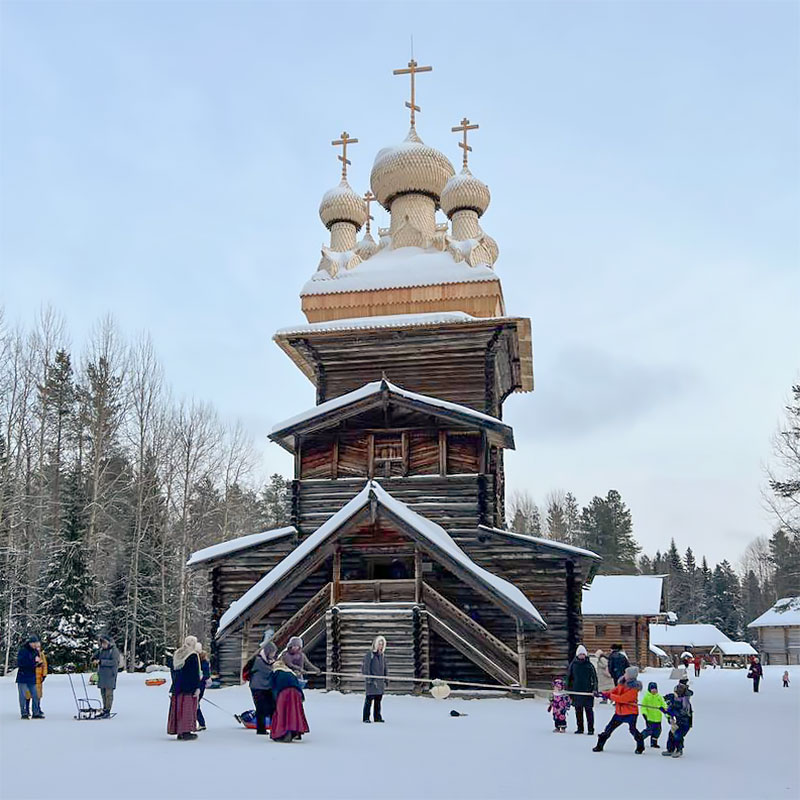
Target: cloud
[{"x": 586, "y": 390}]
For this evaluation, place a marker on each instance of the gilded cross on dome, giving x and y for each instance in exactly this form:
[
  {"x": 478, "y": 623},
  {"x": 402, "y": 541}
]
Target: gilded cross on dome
[
  {"x": 465, "y": 126},
  {"x": 368, "y": 198},
  {"x": 343, "y": 142},
  {"x": 412, "y": 70}
]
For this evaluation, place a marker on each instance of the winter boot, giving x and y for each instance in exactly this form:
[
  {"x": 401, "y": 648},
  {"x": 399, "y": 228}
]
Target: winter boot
[
  {"x": 601, "y": 741},
  {"x": 668, "y": 753},
  {"x": 580, "y": 730},
  {"x": 38, "y": 716},
  {"x": 654, "y": 743},
  {"x": 639, "y": 746},
  {"x": 677, "y": 754}
]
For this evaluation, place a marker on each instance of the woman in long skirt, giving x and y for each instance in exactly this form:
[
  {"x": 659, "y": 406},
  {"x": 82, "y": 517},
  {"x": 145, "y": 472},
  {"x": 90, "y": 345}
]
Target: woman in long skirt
[
  {"x": 185, "y": 690},
  {"x": 289, "y": 720}
]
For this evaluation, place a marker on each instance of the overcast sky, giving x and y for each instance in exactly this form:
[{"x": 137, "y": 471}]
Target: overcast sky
[{"x": 164, "y": 162}]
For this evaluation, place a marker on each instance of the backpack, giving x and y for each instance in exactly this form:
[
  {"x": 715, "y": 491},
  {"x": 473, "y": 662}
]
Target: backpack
[{"x": 247, "y": 669}]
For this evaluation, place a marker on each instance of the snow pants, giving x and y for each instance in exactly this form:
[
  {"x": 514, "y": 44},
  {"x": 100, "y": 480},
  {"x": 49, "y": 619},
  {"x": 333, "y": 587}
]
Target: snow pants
[
  {"x": 616, "y": 721},
  {"x": 589, "y": 718},
  {"x": 675, "y": 738},
  {"x": 368, "y": 703},
  {"x": 108, "y": 698},
  {"x": 653, "y": 730},
  {"x": 756, "y": 681},
  {"x": 265, "y": 707},
  {"x": 24, "y": 689}
]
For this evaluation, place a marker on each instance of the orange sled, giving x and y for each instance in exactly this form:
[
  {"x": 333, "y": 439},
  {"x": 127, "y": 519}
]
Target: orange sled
[{"x": 155, "y": 681}]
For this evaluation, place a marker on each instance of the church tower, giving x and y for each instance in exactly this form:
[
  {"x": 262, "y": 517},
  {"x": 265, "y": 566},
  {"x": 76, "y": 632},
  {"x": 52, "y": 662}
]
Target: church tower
[{"x": 398, "y": 493}]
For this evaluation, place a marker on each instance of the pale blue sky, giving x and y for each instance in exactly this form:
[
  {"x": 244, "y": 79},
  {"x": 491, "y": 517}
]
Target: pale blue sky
[{"x": 164, "y": 162}]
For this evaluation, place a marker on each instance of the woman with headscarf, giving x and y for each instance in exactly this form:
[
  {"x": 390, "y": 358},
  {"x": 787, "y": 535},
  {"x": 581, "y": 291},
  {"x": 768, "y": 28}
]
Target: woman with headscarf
[
  {"x": 261, "y": 685},
  {"x": 185, "y": 690},
  {"x": 374, "y": 665},
  {"x": 289, "y": 720}
]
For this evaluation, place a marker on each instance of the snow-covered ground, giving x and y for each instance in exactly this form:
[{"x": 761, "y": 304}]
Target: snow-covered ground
[{"x": 743, "y": 745}]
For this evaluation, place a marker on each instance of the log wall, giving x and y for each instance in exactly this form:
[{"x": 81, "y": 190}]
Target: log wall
[{"x": 632, "y": 632}]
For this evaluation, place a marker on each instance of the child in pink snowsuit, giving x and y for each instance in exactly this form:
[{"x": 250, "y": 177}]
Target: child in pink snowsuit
[{"x": 559, "y": 705}]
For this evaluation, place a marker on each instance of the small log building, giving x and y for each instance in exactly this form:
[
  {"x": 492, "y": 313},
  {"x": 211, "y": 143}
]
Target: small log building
[{"x": 778, "y": 631}]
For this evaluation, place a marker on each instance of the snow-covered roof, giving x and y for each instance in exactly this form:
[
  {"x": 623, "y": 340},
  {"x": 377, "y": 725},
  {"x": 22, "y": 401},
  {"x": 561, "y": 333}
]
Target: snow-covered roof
[
  {"x": 784, "y": 613},
  {"x": 240, "y": 543},
  {"x": 281, "y": 431},
  {"x": 523, "y": 538},
  {"x": 435, "y": 535},
  {"x": 635, "y": 595},
  {"x": 403, "y": 267},
  {"x": 695, "y": 635},
  {"x": 729, "y": 648},
  {"x": 386, "y": 321},
  {"x": 654, "y": 648}
]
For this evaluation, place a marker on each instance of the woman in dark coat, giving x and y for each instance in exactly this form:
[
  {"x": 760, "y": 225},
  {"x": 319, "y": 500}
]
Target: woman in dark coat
[
  {"x": 107, "y": 658},
  {"x": 185, "y": 690},
  {"x": 756, "y": 673},
  {"x": 261, "y": 685},
  {"x": 289, "y": 720},
  {"x": 374, "y": 664},
  {"x": 582, "y": 677}
]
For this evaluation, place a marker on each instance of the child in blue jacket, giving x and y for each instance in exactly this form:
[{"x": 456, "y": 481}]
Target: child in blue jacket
[{"x": 679, "y": 713}]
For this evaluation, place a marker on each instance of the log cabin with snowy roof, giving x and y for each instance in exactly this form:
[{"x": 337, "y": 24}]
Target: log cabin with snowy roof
[{"x": 398, "y": 507}]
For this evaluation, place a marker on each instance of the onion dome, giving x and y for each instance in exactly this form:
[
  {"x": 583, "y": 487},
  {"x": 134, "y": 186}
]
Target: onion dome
[
  {"x": 410, "y": 167},
  {"x": 465, "y": 192},
  {"x": 342, "y": 204},
  {"x": 367, "y": 247}
]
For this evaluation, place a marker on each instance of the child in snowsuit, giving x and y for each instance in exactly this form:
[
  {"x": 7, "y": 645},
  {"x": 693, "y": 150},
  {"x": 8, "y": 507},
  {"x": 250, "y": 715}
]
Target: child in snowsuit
[
  {"x": 679, "y": 713},
  {"x": 786, "y": 679},
  {"x": 559, "y": 705},
  {"x": 626, "y": 697},
  {"x": 653, "y": 704}
]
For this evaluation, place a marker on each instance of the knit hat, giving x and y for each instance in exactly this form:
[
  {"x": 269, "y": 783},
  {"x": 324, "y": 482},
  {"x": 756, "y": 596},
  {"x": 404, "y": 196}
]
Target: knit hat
[
  {"x": 652, "y": 685},
  {"x": 558, "y": 683},
  {"x": 295, "y": 641},
  {"x": 581, "y": 651},
  {"x": 32, "y": 639},
  {"x": 631, "y": 674},
  {"x": 684, "y": 681}
]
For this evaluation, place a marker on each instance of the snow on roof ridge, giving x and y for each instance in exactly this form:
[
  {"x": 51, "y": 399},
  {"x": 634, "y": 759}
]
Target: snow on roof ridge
[
  {"x": 570, "y": 548},
  {"x": 696, "y": 634},
  {"x": 384, "y": 321},
  {"x": 239, "y": 543},
  {"x": 373, "y": 388},
  {"x": 637, "y": 595},
  {"x": 784, "y": 613},
  {"x": 437, "y": 535}
]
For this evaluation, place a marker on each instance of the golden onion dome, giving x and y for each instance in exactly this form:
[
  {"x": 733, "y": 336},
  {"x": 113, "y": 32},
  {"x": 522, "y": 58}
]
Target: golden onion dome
[{"x": 410, "y": 167}]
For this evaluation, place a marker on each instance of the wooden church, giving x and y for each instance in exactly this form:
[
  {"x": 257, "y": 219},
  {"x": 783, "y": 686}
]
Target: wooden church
[{"x": 398, "y": 494}]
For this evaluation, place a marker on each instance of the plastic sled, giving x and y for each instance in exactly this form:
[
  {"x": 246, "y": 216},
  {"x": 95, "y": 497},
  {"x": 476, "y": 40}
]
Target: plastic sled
[
  {"x": 248, "y": 719},
  {"x": 155, "y": 681}
]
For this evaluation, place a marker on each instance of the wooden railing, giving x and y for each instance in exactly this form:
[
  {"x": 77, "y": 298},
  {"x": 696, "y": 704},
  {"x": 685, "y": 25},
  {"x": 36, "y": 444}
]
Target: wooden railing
[
  {"x": 377, "y": 591},
  {"x": 470, "y": 638},
  {"x": 304, "y": 617}
]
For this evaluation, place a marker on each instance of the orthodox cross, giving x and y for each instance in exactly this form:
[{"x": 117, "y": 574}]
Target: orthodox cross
[
  {"x": 465, "y": 126},
  {"x": 412, "y": 70},
  {"x": 343, "y": 142},
  {"x": 368, "y": 198}
]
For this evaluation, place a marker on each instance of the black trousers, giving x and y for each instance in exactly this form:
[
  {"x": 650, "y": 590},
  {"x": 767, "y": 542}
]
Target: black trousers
[
  {"x": 589, "y": 717},
  {"x": 201, "y": 720},
  {"x": 265, "y": 707},
  {"x": 756, "y": 681},
  {"x": 617, "y": 720},
  {"x": 368, "y": 702}
]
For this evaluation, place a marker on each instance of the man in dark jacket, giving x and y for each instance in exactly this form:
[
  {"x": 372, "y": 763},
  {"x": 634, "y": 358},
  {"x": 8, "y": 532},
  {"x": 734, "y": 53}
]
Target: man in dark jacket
[
  {"x": 374, "y": 665},
  {"x": 27, "y": 659},
  {"x": 107, "y": 658},
  {"x": 582, "y": 677},
  {"x": 617, "y": 662}
]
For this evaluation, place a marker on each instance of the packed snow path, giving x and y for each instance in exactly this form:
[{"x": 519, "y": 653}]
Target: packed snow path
[{"x": 743, "y": 745}]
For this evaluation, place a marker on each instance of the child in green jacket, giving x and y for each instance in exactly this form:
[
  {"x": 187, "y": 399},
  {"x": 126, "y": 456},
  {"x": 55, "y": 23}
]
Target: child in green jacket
[{"x": 653, "y": 705}]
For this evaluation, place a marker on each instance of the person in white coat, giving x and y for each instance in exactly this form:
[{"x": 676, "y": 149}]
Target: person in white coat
[{"x": 605, "y": 683}]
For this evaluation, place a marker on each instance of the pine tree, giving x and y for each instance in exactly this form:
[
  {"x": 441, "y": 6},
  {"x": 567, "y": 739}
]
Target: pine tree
[
  {"x": 572, "y": 516},
  {"x": 676, "y": 582},
  {"x": 753, "y": 603},
  {"x": 608, "y": 530},
  {"x": 726, "y": 601},
  {"x": 276, "y": 499},
  {"x": 785, "y": 551},
  {"x": 692, "y": 583},
  {"x": 557, "y": 520},
  {"x": 704, "y": 612}
]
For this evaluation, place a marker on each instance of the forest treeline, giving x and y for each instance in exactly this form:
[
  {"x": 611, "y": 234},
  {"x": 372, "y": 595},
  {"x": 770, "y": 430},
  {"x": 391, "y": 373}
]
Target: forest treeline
[
  {"x": 727, "y": 596},
  {"x": 107, "y": 484}
]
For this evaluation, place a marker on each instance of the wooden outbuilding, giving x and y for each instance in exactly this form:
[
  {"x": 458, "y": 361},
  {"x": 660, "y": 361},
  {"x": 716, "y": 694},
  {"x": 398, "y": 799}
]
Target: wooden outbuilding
[
  {"x": 618, "y": 609},
  {"x": 778, "y": 632}
]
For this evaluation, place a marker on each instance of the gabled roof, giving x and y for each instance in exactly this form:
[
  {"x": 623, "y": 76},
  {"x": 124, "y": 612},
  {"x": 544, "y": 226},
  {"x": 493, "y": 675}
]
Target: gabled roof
[
  {"x": 238, "y": 545},
  {"x": 540, "y": 543},
  {"x": 433, "y": 537},
  {"x": 627, "y": 595},
  {"x": 786, "y": 612},
  {"x": 376, "y": 393},
  {"x": 695, "y": 635},
  {"x": 729, "y": 648}
]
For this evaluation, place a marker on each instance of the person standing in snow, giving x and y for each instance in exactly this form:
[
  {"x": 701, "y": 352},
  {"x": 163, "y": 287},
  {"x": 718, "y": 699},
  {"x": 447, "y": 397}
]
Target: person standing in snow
[
  {"x": 559, "y": 705},
  {"x": 185, "y": 690},
  {"x": 107, "y": 660},
  {"x": 289, "y": 720},
  {"x": 756, "y": 673},
  {"x": 261, "y": 684},
  {"x": 617, "y": 663},
  {"x": 374, "y": 665},
  {"x": 626, "y": 696},
  {"x": 582, "y": 677},
  {"x": 604, "y": 680},
  {"x": 653, "y": 705},
  {"x": 698, "y": 663},
  {"x": 205, "y": 672},
  {"x": 294, "y": 657},
  {"x": 680, "y": 715},
  {"x": 786, "y": 679},
  {"x": 41, "y": 674},
  {"x": 28, "y": 659}
]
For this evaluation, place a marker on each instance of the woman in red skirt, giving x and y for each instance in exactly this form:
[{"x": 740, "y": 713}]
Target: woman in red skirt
[
  {"x": 289, "y": 720},
  {"x": 185, "y": 690}
]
